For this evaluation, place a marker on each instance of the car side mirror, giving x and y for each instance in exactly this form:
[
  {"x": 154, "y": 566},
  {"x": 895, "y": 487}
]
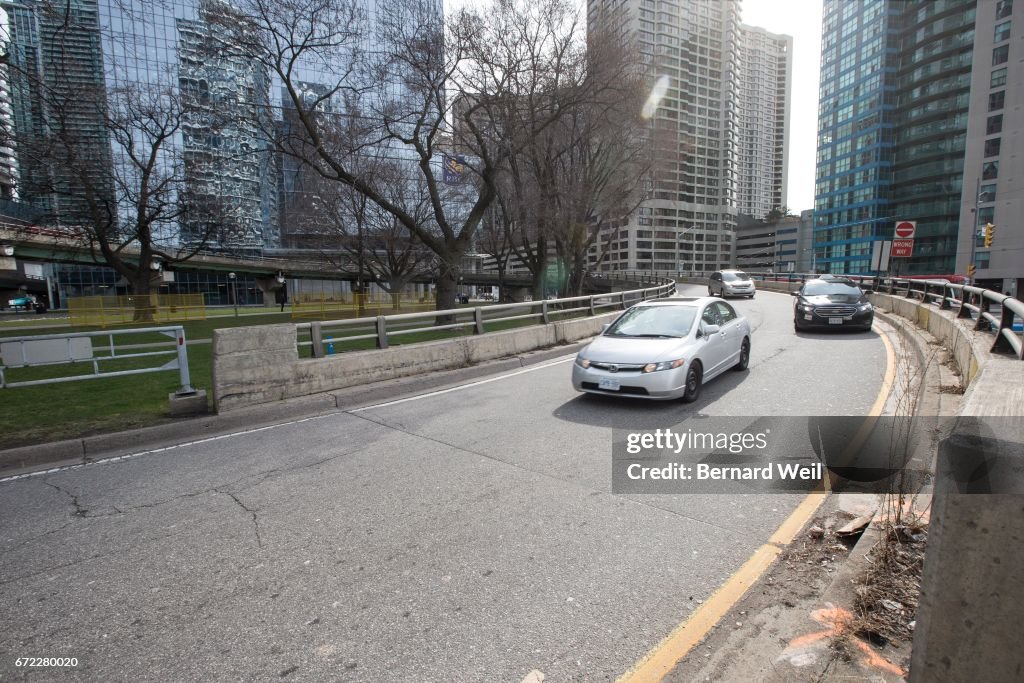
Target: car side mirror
[
  {"x": 794, "y": 293},
  {"x": 711, "y": 329}
]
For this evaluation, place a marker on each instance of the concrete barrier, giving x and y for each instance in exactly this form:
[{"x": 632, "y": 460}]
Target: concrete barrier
[
  {"x": 254, "y": 365},
  {"x": 972, "y": 586}
]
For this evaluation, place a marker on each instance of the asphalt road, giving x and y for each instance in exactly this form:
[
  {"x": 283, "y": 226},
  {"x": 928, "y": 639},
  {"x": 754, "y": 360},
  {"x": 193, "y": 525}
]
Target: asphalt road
[{"x": 468, "y": 535}]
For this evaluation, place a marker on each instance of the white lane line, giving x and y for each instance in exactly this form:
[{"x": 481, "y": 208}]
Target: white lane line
[
  {"x": 131, "y": 456},
  {"x": 244, "y": 432},
  {"x": 464, "y": 386}
]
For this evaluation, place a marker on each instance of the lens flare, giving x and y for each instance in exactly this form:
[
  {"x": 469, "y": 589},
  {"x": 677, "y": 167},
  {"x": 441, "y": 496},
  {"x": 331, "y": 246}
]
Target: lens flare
[{"x": 657, "y": 94}]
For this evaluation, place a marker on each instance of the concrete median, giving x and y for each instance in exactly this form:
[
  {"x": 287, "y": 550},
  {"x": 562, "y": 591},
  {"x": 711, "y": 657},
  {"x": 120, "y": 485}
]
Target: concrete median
[{"x": 256, "y": 365}]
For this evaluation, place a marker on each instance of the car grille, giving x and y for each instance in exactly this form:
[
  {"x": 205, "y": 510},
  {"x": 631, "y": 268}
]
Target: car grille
[
  {"x": 619, "y": 367},
  {"x": 835, "y": 310},
  {"x": 638, "y": 391}
]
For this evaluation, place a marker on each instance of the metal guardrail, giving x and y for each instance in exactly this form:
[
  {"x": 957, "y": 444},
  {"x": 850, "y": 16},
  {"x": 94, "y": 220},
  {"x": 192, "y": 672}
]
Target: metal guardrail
[
  {"x": 77, "y": 348},
  {"x": 991, "y": 311},
  {"x": 323, "y": 335}
]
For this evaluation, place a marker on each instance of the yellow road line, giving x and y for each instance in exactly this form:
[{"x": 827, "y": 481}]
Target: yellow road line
[
  {"x": 685, "y": 636},
  {"x": 692, "y": 631}
]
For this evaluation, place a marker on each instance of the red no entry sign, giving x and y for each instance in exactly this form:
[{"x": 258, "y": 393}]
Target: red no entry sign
[{"x": 905, "y": 229}]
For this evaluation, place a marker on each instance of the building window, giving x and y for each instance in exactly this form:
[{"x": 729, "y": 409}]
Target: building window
[
  {"x": 995, "y": 125},
  {"x": 1004, "y": 8},
  {"x": 996, "y": 100},
  {"x": 1000, "y": 54},
  {"x": 990, "y": 171},
  {"x": 988, "y": 193},
  {"x": 992, "y": 147},
  {"x": 998, "y": 78},
  {"x": 1002, "y": 32}
]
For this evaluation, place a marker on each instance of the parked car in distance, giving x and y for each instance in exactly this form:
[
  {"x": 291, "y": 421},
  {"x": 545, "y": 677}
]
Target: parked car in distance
[
  {"x": 664, "y": 349},
  {"x": 726, "y": 283},
  {"x": 834, "y": 303},
  {"x": 27, "y": 303}
]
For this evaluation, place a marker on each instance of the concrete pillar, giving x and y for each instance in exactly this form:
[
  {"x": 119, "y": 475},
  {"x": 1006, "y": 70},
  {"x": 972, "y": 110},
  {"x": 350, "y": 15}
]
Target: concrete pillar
[{"x": 968, "y": 620}]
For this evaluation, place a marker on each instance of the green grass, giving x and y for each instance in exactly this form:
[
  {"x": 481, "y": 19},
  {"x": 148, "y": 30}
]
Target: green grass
[{"x": 51, "y": 412}]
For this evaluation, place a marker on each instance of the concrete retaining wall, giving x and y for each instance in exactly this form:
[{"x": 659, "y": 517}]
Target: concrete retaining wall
[
  {"x": 972, "y": 586},
  {"x": 254, "y": 365}
]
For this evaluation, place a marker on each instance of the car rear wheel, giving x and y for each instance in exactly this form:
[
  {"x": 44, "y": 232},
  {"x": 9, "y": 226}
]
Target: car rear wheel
[
  {"x": 744, "y": 360},
  {"x": 693, "y": 383}
]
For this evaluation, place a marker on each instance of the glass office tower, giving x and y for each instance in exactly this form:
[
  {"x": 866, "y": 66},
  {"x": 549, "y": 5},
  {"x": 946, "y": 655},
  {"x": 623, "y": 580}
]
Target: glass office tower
[
  {"x": 892, "y": 130},
  {"x": 855, "y": 133}
]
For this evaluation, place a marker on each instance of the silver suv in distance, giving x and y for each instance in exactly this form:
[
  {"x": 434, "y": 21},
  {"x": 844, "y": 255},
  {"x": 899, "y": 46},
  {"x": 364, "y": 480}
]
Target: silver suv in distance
[{"x": 725, "y": 283}]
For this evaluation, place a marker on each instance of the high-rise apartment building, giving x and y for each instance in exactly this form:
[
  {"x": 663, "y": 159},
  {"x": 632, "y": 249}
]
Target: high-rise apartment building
[
  {"x": 716, "y": 152},
  {"x": 765, "y": 105},
  {"x": 689, "y": 220}
]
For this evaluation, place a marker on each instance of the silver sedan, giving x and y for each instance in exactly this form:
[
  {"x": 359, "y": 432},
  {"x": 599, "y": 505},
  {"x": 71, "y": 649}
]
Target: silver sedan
[{"x": 664, "y": 349}]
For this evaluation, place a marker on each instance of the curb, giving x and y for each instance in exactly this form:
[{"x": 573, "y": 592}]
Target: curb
[{"x": 25, "y": 459}]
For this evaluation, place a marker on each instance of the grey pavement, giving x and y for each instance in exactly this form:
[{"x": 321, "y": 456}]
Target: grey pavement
[{"x": 466, "y": 535}]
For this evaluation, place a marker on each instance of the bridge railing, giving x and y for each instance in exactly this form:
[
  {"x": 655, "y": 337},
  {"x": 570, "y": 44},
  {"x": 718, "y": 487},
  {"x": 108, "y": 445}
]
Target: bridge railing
[
  {"x": 324, "y": 337},
  {"x": 991, "y": 310}
]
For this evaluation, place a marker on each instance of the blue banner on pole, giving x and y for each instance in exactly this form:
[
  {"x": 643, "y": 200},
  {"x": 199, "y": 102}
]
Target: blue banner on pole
[{"x": 454, "y": 168}]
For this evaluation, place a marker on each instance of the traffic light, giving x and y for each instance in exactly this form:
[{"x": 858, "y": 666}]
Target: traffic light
[
  {"x": 970, "y": 270},
  {"x": 990, "y": 231}
]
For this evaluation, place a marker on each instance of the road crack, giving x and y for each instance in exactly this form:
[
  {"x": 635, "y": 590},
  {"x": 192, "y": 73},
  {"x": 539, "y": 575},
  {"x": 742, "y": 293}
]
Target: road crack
[
  {"x": 79, "y": 510},
  {"x": 252, "y": 513}
]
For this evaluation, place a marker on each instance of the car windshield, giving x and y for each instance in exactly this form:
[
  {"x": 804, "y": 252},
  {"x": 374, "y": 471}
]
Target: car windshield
[
  {"x": 654, "y": 321},
  {"x": 823, "y": 287},
  {"x": 732, "y": 277}
]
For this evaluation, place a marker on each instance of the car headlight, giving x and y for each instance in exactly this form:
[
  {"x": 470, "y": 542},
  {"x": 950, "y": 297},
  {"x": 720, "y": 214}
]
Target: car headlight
[
  {"x": 805, "y": 307},
  {"x": 664, "y": 365},
  {"x": 864, "y": 307},
  {"x": 582, "y": 362}
]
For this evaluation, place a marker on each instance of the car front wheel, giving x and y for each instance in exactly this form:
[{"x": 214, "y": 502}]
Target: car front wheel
[{"x": 693, "y": 383}]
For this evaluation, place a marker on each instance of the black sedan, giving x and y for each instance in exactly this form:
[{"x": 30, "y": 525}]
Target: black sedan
[{"x": 832, "y": 304}]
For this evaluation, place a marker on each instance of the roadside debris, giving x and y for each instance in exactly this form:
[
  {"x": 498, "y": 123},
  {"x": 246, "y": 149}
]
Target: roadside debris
[{"x": 854, "y": 527}]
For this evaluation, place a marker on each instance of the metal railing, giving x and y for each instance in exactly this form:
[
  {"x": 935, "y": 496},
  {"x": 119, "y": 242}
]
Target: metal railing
[
  {"x": 323, "y": 336},
  {"x": 991, "y": 311},
  {"x": 76, "y": 348}
]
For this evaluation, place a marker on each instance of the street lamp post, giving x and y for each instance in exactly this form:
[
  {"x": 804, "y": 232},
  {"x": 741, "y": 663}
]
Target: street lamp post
[{"x": 234, "y": 291}]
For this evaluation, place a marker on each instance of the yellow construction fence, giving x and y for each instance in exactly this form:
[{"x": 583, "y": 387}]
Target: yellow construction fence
[
  {"x": 327, "y": 306},
  {"x": 104, "y": 311}
]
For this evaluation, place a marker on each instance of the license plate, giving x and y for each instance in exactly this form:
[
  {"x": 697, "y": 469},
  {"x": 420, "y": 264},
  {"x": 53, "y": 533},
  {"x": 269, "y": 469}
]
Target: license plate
[
  {"x": 835, "y": 321},
  {"x": 608, "y": 384}
]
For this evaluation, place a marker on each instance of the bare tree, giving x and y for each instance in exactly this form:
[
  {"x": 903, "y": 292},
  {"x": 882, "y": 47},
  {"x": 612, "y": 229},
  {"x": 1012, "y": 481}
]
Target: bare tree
[
  {"x": 430, "y": 87},
  {"x": 584, "y": 174}
]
